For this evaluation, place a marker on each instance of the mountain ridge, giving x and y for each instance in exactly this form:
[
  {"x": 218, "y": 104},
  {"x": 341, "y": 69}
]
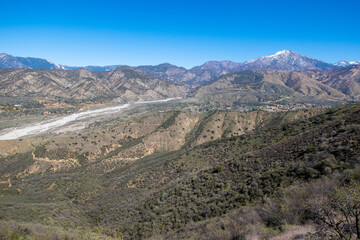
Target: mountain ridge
[
  {"x": 344, "y": 63},
  {"x": 287, "y": 60},
  {"x": 250, "y": 87},
  {"x": 122, "y": 84},
  {"x": 127, "y": 84},
  {"x": 341, "y": 63},
  {"x": 281, "y": 60},
  {"x": 9, "y": 61}
]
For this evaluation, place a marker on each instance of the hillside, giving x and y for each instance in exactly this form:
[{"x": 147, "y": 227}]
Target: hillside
[
  {"x": 48, "y": 92},
  {"x": 164, "y": 71},
  {"x": 102, "y": 181},
  {"x": 149, "y": 133},
  {"x": 263, "y": 86},
  {"x": 123, "y": 84},
  {"x": 347, "y": 79}
]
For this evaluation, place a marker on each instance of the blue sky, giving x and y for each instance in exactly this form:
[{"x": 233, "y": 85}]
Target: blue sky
[{"x": 185, "y": 33}]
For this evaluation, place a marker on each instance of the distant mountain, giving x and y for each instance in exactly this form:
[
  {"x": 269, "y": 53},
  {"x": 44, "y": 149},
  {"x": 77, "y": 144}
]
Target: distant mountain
[
  {"x": 288, "y": 61},
  {"x": 198, "y": 75},
  {"x": 210, "y": 71},
  {"x": 164, "y": 71},
  {"x": 283, "y": 60},
  {"x": 8, "y": 61},
  {"x": 346, "y": 63},
  {"x": 124, "y": 84},
  {"x": 347, "y": 79},
  {"x": 95, "y": 68},
  {"x": 260, "y": 86}
]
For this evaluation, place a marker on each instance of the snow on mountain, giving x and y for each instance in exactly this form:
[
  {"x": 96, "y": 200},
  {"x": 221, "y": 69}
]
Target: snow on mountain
[
  {"x": 9, "y": 61},
  {"x": 287, "y": 60},
  {"x": 58, "y": 66},
  {"x": 283, "y": 60},
  {"x": 344, "y": 63}
]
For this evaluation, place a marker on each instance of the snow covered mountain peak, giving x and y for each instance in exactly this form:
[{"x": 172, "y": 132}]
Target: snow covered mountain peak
[
  {"x": 287, "y": 60},
  {"x": 283, "y": 52},
  {"x": 344, "y": 63}
]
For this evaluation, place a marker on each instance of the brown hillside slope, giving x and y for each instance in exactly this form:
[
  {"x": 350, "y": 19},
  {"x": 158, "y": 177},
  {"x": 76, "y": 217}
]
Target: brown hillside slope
[{"x": 124, "y": 84}]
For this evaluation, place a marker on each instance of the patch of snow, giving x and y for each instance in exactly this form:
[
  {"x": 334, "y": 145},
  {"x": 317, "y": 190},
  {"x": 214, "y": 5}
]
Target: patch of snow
[
  {"x": 344, "y": 63},
  {"x": 55, "y": 64},
  {"x": 283, "y": 52},
  {"x": 274, "y": 56}
]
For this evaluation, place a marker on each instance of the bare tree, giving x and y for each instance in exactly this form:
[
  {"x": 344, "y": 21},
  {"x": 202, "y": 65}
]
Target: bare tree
[{"x": 342, "y": 212}]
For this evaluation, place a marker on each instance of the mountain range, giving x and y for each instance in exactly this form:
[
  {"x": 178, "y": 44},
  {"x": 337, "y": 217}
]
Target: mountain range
[
  {"x": 124, "y": 84},
  {"x": 282, "y": 60},
  {"x": 261, "y": 86},
  {"x": 9, "y": 61},
  {"x": 346, "y": 63},
  {"x": 192, "y": 169},
  {"x": 285, "y": 77},
  {"x": 127, "y": 84}
]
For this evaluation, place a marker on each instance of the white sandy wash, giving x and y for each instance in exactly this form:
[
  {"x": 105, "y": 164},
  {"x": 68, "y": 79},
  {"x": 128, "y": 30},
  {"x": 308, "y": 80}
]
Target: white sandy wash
[{"x": 81, "y": 118}]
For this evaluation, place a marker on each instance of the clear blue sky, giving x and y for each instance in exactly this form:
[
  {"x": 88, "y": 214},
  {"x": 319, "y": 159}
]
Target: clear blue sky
[{"x": 185, "y": 33}]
